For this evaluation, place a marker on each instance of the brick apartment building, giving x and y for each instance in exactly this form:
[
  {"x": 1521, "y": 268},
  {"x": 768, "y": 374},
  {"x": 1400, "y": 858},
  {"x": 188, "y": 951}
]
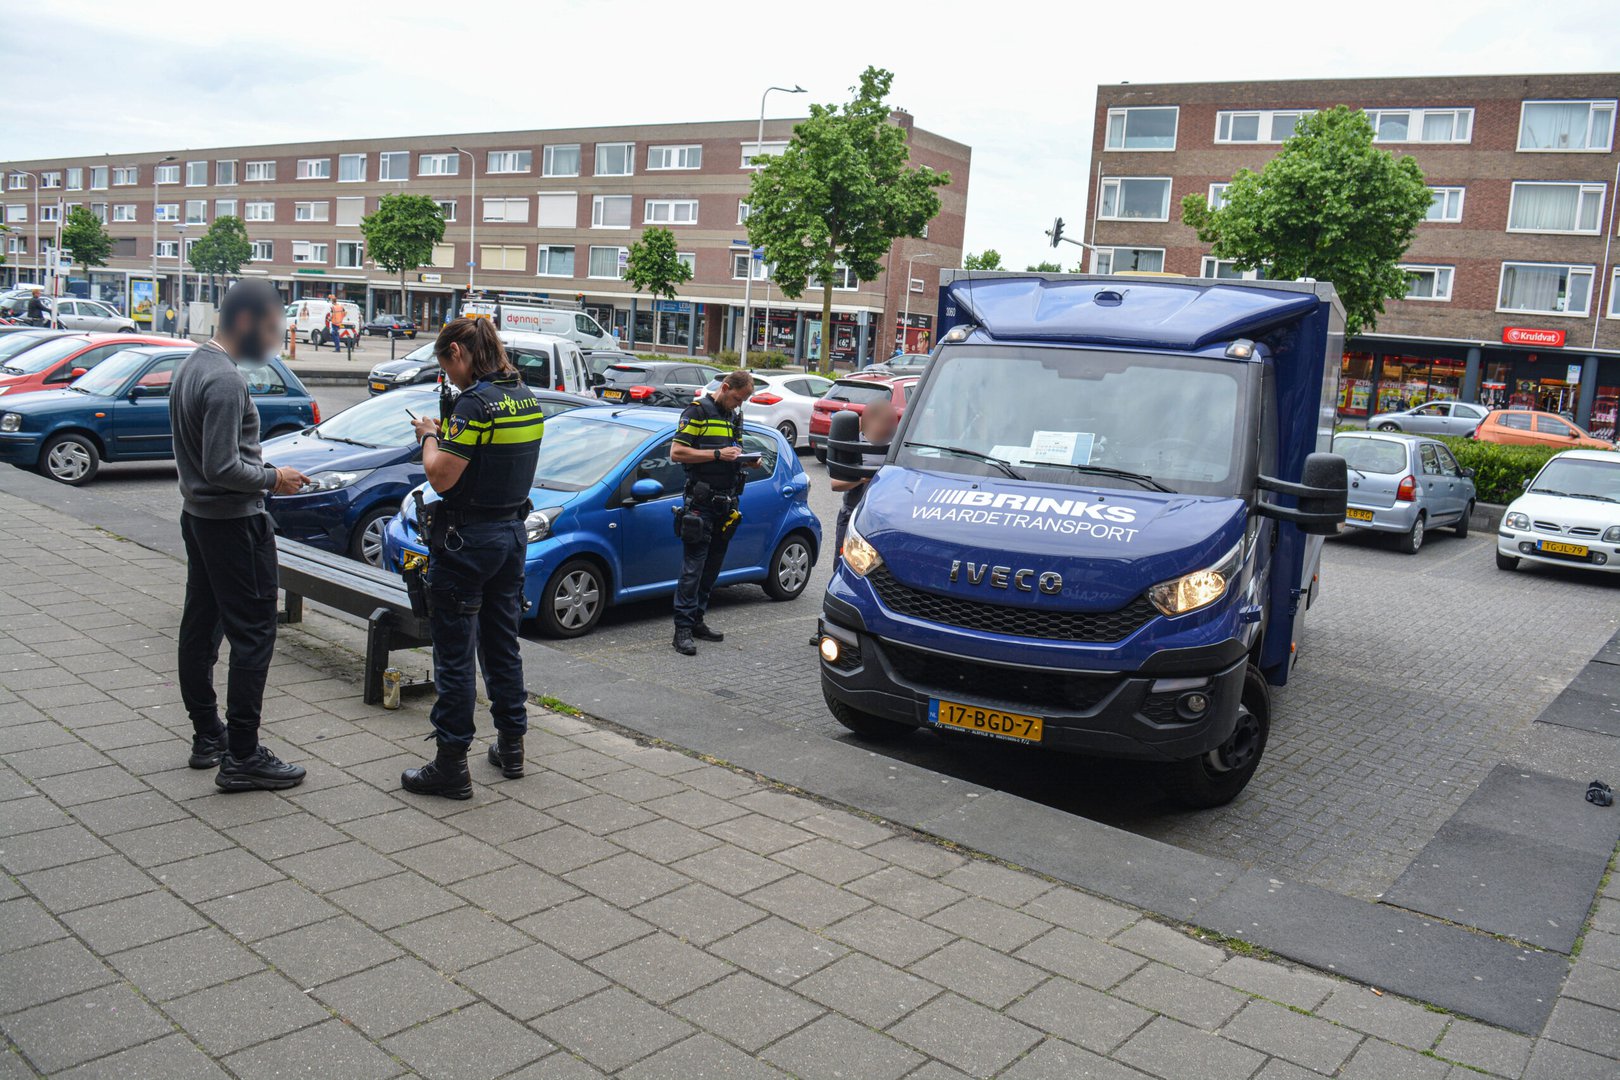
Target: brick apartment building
[
  {"x": 1514, "y": 287},
  {"x": 552, "y": 217}
]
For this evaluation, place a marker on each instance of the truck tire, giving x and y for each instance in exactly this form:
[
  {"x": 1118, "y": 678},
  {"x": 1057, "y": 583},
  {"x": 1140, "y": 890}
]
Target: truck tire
[
  {"x": 1215, "y": 779},
  {"x": 864, "y": 724}
]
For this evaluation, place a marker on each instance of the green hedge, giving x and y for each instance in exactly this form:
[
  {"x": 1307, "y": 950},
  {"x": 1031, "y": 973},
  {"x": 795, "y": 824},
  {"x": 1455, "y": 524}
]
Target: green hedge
[{"x": 1500, "y": 471}]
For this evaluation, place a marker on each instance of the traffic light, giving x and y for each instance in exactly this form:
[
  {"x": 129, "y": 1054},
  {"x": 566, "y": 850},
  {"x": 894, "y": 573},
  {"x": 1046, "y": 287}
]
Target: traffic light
[{"x": 1056, "y": 231}]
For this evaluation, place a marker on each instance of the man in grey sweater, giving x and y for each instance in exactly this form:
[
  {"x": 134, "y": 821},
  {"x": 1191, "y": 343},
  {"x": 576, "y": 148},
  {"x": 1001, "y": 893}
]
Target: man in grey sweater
[{"x": 230, "y": 544}]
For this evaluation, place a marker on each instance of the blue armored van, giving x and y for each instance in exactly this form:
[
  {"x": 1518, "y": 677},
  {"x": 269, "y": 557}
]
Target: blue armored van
[{"x": 1099, "y": 526}]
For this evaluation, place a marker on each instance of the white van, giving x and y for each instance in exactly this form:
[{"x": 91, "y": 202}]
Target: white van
[
  {"x": 547, "y": 361},
  {"x": 308, "y": 318},
  {"x": 576, "y": 326}
]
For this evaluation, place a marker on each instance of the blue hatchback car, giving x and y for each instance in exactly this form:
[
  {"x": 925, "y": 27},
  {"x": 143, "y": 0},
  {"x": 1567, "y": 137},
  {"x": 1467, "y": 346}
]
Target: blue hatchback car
[
  {"x": 119, "y": 411},
  {"x": 360, "y": 463},
  {"x": 603, "y": 530}
]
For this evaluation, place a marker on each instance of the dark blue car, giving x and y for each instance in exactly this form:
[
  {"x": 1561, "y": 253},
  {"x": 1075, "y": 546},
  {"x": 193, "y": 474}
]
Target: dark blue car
[
  {"x": 361, "y": 463},
  {"x": 119, "y": 411}
]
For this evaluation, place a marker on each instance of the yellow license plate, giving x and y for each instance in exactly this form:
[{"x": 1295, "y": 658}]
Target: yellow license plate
[
  {"x": 413, "y": 560},
  {"x": 1562, "y": 549},
  {"x": 379, "y": 387},
  {"x": 613, "y": 395},
  {"x": 1359, "y": 515},
  {"x": 981, "y": 721}
]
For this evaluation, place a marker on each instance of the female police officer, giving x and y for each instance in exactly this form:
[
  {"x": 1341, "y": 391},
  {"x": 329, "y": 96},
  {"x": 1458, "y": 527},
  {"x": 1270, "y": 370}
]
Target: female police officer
[{"x": 480, "y": 458}]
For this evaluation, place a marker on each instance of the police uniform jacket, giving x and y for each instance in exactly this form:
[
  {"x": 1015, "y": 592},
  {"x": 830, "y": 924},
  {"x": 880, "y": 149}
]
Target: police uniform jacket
[
  {"x": 706, "y": 426},
  {"x": 496, "y": 425}
]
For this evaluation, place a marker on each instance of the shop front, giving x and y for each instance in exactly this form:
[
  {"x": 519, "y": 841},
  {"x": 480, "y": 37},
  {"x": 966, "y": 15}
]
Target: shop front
[{"x": 914, "y": 333}]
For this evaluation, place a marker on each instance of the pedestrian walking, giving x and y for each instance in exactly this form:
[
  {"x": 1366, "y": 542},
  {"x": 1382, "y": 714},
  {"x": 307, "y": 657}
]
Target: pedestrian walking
[
  {"x": 708, "y": 441},
  {"x": 36, "y": 308},
  {"x": 230, "y": 543},
  {"x": 334, "y": 323},
  {"x": 480, "y": 458},
  {"x": 878, "y": 424}
]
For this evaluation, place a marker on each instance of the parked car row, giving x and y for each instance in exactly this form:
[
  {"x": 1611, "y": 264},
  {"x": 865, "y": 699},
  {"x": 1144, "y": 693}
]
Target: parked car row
[
  {"x": 72, "y": 313},
  {"x": 1513, "y": 427}
]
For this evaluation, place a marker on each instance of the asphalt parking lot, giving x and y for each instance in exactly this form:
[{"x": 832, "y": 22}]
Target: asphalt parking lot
[{"x": 1400, "y": 705}]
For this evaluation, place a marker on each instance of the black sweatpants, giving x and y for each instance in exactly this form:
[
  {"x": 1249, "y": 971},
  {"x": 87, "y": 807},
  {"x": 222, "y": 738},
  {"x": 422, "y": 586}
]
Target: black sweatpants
[{"x": 230, "y": 593}]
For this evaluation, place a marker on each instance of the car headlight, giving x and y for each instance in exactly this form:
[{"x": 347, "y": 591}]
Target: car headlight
[
  {"x": 1611, "y": 535},
  {"x": 538, "y": 524},
  {"x": 860, "y": 556},
  {"x": 332, "y": 480},
  {"x": 1517, "y": 520},
  {"x": 407, "y": 375},
  {"x": 1198, "y": 589},
  {"x": 10, "y": 421}
]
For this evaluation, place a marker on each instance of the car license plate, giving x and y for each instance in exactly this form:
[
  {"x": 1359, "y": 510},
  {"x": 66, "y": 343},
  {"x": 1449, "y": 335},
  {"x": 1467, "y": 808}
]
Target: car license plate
[
  {"x": 981, "y": 721},
  {"x": 1358, "y": 515},
  {"x": 379, "y": 386},
  {"x": 1562, "y": 549},
  {"x": 613, "y": 395}
]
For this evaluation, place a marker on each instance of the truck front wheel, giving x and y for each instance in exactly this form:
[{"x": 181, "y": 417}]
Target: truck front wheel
[
  {"x": 864, "y": 724},
  {"x": 1215, "y": 778}
]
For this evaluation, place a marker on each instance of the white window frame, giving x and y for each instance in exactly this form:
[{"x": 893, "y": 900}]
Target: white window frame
[
  {"x": 599, "y": 203},
  {"x": 1573, "y": 269},
  {"x": 1614, "y": 295},
  {"x": 353, "y": 179},
  {"x": 389, "y": 160},
  {"x": 444, "y": 252},
  {"x": 687, "y": 259},
  {"x": 225, "y": 208},
  {"x": 167, "y": 212},
  {"x": 1097, "y": 256},
  {"x": 1445, "y": 191},
  {"x": 649, "y": 215},
  {"x": 99, "y": 175},
  {"x": 1415, "y": 119},
  {"x": 1600, "y": 190},
  {"x": 751, "y": 149},
  {"x": 312, "y": 248},
  {"x": 841, "y": 273},
  {"x": 360, "y": 257},
  {"x": 762, "y": 272},
  {"x": 314, "y": 168},
  {"x": 263, "y": 251},
  {"x": 50, "y": 213},
  {"x": 438, "y": 164},
  {"x": 1266, "y": 122},
  {"x": 1448, "y": 274},
  {"x": 553, "y": 199},
  {"x": 99, "y": 209},
  {"x": 1208, "y": 266},
  {"x": 1213, "y": 195},
  {"x": 258, "y": 172},
  {"x": 1123, "y": 113},
  {"x": 52, "y": 179},
  {"x": 507, "y": 170},
  {"x": 318, "y": 210},
  {"x": 202, "y": 216},
  {"x": 220, "y": 172},
  {"x": 447, "y": 207},
  {"x": 743, "y": 210},
  {"x": 168, "y": 249},
  {"x": 193, "y": 168},
  {"x": 259, "y": 210},
  {"x": 548, "y": 159},
  {"x": 75, "y": 178},
  {"x": 629, "y": 149},
  {"x": 1594, "y": 106},
  {"x": 126, "y": 175},
  {"x": 1118, "y": 185},
  {"x": 542, "y": 256},
  {"x": 17, "y": 214},
  {"x": 350, "y": 200},
  {"x": 618, "y": 252},
  {"x": 675, "y": 157},
  {"x": 486, "y": 263},
  {"x": 17, "y": 182},
  {"x": 509, "y": 209}
]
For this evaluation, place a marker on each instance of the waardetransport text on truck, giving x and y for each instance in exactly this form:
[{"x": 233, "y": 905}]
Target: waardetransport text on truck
[{"x": 1099, "y": 526}]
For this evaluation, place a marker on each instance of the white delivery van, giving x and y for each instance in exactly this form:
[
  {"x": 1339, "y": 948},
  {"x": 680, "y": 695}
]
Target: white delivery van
[
  {"x": 308, "y": 318},
  {"x": 574, "y": 325},
  {"x": 547, "y": 361}
]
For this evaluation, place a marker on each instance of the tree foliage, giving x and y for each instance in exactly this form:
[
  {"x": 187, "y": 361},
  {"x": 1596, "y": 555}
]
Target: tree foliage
[
  {"x": 401, "y": 234},
  {"x": 223, "y": 250},
  {"x": 1045, "y": 268},
  {"x": 1329, "y": 206},
  {"x": 654, "y": 265},
  {"x": 989, "y": 259},
  {"x": 841, "y": 193},
  {"x": 86, "y": 237}
]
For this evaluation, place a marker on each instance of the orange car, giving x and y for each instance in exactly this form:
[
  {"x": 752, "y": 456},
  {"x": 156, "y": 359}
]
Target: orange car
[{"x": 1521, "y": 427}]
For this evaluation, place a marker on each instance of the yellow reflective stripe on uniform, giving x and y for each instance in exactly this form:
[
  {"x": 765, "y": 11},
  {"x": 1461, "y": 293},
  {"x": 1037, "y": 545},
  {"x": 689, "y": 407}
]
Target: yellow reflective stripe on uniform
[{"x": 510, "y": 434}]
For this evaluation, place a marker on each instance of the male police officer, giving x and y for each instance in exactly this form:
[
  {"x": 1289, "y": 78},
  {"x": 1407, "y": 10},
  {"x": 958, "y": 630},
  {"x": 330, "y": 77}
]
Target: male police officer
[
  {"x": 481, "y": 459},
  {"x": 708, "y": 442}
]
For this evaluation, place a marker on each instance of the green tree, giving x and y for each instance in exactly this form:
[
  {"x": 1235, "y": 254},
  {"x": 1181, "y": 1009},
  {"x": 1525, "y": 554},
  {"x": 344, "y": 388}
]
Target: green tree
[
  {"x": 989, "y": 260},
  {"x": 1045, "y": 268},
  {"x": 222, "y": 251},
  {"x": 86, "y": 237},
  {"x": 1330, "y": 206},
  {"x": 654, "y": 265},
  {"x": 400, "y": 236},
  {"x": 839, "y": 195}
]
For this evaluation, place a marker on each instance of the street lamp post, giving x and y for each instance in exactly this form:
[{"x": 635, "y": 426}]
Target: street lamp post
[
  {"x": 472, "y": 220},
  {"x": 155, "y": 168},
  {"x": 39, "y": 259},
  {"x": 905, "y": 322},
  {"x": 748, "y": 279},
  {"x": 182, "y": 320}
]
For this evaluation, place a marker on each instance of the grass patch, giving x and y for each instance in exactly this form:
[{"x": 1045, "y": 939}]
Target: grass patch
[{"x": 557, "y": 705}]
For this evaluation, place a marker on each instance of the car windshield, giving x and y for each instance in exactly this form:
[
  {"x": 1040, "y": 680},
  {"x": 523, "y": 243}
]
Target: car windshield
[
  {"x": 858, "y": 393},
  {"x": 1372, "y": 455},
  {"x": 106, "y": 377},
  {"x": 422, "y": 354},
  {"x": 577, "y": 452},
  {"x": 1583, "y": 478},
  {"x": 623, "y": 373},
  {"x": 1081, "y": 417},
  {"x": 20, "y": 342},
  {"x": 379, "y": 421},
  {"x": 45, "y": 357}
]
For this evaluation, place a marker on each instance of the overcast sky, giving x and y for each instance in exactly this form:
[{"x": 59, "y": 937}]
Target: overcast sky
[{"x": 1015, "y": 80}]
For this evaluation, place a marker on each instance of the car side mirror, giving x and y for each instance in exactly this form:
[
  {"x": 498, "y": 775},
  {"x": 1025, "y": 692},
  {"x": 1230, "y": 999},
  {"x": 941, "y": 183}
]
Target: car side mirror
[
  {"x": 76, "y": 372},
  {"x": 1321, "y": 495},
  {"x": 147, "y": 392},
  {"x": 645, "y": 490},
  {"x": 1468, "y": 474}
]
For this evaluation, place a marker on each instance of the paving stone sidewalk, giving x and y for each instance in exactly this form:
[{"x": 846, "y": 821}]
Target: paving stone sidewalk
[{"x": 624, "y": 910}]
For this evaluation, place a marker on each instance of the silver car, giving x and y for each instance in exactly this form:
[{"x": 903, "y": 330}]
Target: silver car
[
  {"x": 1405, "y": 485},
  {"x": 1433, "y": 418},
  {"x": 73, "y": 313}
]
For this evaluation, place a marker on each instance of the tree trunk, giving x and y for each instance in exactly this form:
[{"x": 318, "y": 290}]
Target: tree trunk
[{"x": 824, "y": 361}]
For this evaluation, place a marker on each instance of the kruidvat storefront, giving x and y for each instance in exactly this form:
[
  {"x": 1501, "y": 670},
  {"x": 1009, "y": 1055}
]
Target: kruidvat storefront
[{"x": 1532, "y": 368}]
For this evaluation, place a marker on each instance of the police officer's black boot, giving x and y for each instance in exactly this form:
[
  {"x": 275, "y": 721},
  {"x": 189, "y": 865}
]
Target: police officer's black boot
[
  {"x": 703, "y": 632},
  {"x": 683, "y": 642},
  {"x": 445, "y": 776},
  {"x": 506, "y": 754}
]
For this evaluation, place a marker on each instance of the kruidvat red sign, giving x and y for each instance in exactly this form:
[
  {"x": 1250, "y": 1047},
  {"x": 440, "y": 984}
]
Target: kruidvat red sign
[{"x": 1524, "y": 335}]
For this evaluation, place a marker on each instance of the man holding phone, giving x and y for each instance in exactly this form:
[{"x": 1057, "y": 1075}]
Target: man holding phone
[{"x": 708, "y": 441}]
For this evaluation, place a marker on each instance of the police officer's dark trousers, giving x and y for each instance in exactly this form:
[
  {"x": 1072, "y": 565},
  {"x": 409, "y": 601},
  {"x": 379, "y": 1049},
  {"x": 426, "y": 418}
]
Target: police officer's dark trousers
[
  {"x": 476, "y": 582},
  {"x": 701, "y": 563}
]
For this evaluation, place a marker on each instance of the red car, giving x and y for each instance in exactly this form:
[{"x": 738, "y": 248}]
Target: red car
[
  {"x": 856, "y": 392},
  {"x": 58, "y": 361}
]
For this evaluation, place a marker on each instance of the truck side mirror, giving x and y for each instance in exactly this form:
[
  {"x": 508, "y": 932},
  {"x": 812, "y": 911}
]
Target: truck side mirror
[
  {"x": 845, "y": 451},
  {"x": 1322, "y": 494}
]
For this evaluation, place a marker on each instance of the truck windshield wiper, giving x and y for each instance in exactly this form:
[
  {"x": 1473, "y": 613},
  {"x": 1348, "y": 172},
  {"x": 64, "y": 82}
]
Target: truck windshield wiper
[
  {"x": 977, "y": 455},
  {"x": 1103, "y": 470}
]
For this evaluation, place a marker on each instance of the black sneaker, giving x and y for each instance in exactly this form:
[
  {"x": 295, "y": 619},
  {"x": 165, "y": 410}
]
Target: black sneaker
[
  {"x": 259, "y": 771},
  {"x": 702, "y": 632},
  {"x": 206, "y": 750},
  {"x": 683, "y": 642}
]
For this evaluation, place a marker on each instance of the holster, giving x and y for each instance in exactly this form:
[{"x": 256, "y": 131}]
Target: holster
[{"x": 414, "y": 572}]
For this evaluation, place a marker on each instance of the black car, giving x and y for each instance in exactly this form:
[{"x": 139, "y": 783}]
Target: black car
[
  {"x": 654, "y": 382},
  {"x": 389, "y": 326},
  {"x": 597, "y": 361}
]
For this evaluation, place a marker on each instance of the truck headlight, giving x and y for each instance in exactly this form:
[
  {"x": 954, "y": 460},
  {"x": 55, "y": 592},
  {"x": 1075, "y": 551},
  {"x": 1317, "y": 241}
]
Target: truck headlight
[
  {"x": 538, "y": 524},
  {"x": 332, "y": 480},
  {"x": 1517, "y": 521},
  {"x": 860, "y": 556},
  {"x": 1611, "y": 535},
  {"x": 11, "y": 421},
  {"x": 1198, "y": 589}
]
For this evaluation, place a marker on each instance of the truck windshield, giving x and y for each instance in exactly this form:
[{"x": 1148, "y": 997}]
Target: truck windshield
[{"x": 1083, "y": 418}]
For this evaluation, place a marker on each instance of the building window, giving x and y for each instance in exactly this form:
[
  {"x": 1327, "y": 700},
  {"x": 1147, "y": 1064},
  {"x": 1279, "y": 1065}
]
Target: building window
[
  {"x": 1217, "y": 196},
  {"x": 98, "y": 178},
  {"x": 1545, "y": 289},
  {"x": 1614, "y": 294},
  {"x": 50, "y": 213},
  {"x": 351, "y": 168},
  {"x": 443, "y": 255},
  {"x": 263, "y": 251},
  {"x": 168, "y": 211},
  {"x": 506, "y": 209},
  {"x": 843, "y": 279},
  {"x": 126, "y": 176},
  {"x": 350, "y": 210},
  {"x": 196, "y": 211},
  {"x": 674, "y": 157},
  {"x": 99, "y": 209},
  {"x": 319, "y": 168},
  {"x": 615, "y": 159},
  {"x": 740, "y": 261},
  {"x": 308, "y": 251},
  {"x": 224, "y": 208},
  {"x": 509, "y": 161},
  {"x": 493, "y": 257},
  {"x": 191, "y": 244},
  {"x": 1446, "y": 204},
  {"x": 258, "y": 171},
  {"x": 1428, "y": 282},
  {"x": 16, "y": 245},
  {"x": 260, "y": 211},
  {"x": 16, "y": 213},
  {"x": 766, "y": 149},
  {"x": 608, "y": 262},
  {"x": 1126, "y": 260},
  {"x": 1556, "y": 208},
  {"x": 1227, "y": 269},
  {"x": 447, "y": 207},
  {"x": 671, "y": 212},
  {"x": 557, "y": 210},
  {"x": 17, "y": 181},
  {"x": 743, "y": 210},
  {"x": 562, "y": 160},
  {"x": 351, "y": 254},
  {"x": 610, "y": 212},
  {"x": 196, "y": 174},
  {"x": 1421, "y": 125},
  {"x": 1567, "y": 126},
  {"x": 168, "y": 249},
  {"x": 1142, "y": 129},
  {"x": 438, "y": 164},
  {"x": 394, "y": 165},
  {"x": 224, "y": 173},
  {"x": 554, "y": 260},
  {"x": 1264, "y": 126},
  {"x": 687, "y": 259},
  {"x": 75, "y": 179},
  {"x": 312, "y": 211},
  {"x": 54, "y": 179},
  {"x": 1135, "y": 198}
]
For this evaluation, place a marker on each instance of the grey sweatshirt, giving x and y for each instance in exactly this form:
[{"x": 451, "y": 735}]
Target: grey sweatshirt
[{"x": 216, "y": 438}]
